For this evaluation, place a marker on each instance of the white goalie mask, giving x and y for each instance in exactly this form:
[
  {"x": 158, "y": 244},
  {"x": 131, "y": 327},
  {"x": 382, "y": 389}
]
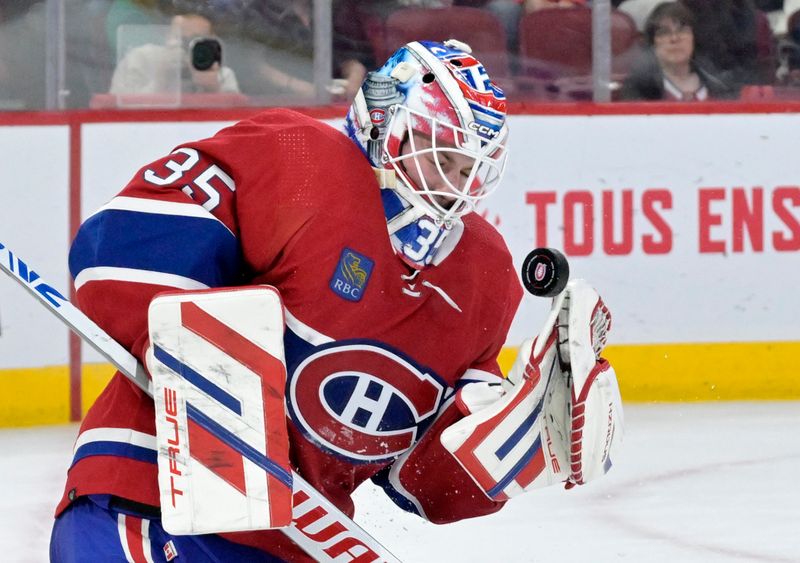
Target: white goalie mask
[{"x": 433, "y": 118}]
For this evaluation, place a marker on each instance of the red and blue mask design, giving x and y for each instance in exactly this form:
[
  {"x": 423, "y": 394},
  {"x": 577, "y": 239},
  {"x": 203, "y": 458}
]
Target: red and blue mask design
[{"x": 429, "y": 106}]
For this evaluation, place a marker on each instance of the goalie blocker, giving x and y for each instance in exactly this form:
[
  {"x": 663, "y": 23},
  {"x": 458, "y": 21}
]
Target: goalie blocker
[
  {"x": 556, "y": 418},
  {"x": 218, "y": 368}
]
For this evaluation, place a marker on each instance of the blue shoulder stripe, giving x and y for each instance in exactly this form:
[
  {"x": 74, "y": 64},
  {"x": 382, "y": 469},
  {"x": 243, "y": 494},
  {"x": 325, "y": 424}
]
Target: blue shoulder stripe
[
  {"x": 119, "y": 449},
  {"x": 192, "y": 247}
]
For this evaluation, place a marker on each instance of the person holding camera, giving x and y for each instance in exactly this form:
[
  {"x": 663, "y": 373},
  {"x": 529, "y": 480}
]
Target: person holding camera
[{"x": 191, "y": 59}]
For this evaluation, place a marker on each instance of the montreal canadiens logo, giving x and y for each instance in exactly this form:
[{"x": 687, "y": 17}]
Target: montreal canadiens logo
[
  {"x": 540, "y": 272},
  {"x": 377, "y": 115},
  {"x": 363, "y": 402}
]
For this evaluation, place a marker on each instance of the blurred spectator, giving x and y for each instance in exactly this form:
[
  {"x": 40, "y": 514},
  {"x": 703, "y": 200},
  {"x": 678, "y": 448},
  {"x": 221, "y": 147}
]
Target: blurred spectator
[
  {"x": 769, "y": 5},
  {"x": 10, "y": 9},
  {"x": 533, "y": 5},
  {"x": 509, "y": 12},
  {"x": 24, "y": 34},
  {"x": 382, "y": 8},
  {"x": 151, "y": 69},
  {"x": 790, "y": 8},
  {"x": 788, "y": 72},
  {"x": 726, "y": 37},
  {"x": 275, "y": 50},
  {"x": 669, "y": 70},
  {"x": 89, "y": 61},
  {"x": 134, "y": 12},
  {"x": 22, "y": 55},
  {"x": 778, "y": 13},
  {"x": 639, "y": 10},
  {"x": 779, "y": 19}
]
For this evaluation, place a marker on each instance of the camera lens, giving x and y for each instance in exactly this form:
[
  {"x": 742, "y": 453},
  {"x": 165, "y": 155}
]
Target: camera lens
[{"x": 205, "y": 51}]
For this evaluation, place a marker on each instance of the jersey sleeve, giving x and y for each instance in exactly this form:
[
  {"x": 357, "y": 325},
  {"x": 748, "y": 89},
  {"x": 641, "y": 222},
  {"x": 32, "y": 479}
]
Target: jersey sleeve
[
  {"x": 172, "y": 227},
  {"x": 214, "y": 213}
]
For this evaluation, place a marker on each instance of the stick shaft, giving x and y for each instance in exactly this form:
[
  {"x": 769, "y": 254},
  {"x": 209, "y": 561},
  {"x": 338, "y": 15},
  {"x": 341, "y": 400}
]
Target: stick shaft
[{"x": 307, "y": 498}]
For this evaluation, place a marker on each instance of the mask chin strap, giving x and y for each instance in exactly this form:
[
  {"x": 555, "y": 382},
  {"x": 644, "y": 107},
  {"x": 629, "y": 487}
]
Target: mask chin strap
[
  {"x": 404, "y": 218},
  {"x": 418, "y": 239},
  {"x": 387, "y": 179}
]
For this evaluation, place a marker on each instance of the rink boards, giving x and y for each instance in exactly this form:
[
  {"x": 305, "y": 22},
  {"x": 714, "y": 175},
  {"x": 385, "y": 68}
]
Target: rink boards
[{"x": 687, "y": 223}]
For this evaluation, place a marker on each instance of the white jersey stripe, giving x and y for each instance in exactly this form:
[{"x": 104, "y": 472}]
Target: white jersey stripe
[
  {"x": 123, "y": 537},
  {"x": 304, "y": 331},
  {"x": 146, "y": 540},
  {"x": 142, "y": 205},
  {"x": 105, "y": 273},
  {"x": 123, "y": 435}
]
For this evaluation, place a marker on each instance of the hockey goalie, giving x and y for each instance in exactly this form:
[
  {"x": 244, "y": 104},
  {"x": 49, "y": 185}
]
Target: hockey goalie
[{"x": 386, "y": 301}]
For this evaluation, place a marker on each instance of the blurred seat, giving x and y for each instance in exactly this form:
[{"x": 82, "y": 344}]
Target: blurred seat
[
  {"x": 374, "y": 26},
  {"x": 556, "y": 51},
  {"x": 766, "y": 49},
  {"x": 478, "y": 28},
  {"x": 769, "y": 93}
]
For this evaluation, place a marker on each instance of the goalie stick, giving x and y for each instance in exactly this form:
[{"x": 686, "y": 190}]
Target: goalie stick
[{"x": 333, "y": 536}]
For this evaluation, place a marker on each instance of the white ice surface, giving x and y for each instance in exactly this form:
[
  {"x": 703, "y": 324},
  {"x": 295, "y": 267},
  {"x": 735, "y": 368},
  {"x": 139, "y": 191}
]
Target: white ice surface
[{"x": 697, "y": 483}]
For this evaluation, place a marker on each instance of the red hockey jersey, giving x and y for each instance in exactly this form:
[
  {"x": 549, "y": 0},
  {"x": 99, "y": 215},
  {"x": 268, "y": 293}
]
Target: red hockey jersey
[{"x": 372, "y": 354}]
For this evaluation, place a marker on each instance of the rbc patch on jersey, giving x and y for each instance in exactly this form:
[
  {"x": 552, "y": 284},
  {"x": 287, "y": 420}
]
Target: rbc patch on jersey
[{"x": 351, "y": 275}]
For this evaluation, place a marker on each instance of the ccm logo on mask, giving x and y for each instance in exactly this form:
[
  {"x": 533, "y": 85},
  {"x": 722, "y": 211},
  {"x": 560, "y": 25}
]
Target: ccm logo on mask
[{"x": 484, "y": 130}]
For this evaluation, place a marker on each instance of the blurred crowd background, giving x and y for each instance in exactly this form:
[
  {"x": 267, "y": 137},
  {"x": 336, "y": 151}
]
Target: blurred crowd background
[{"x": 57, "y": 54}]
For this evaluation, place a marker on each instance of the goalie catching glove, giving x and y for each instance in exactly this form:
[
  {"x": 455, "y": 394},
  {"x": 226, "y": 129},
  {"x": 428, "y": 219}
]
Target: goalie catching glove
[{"x": 558, "y": 415}]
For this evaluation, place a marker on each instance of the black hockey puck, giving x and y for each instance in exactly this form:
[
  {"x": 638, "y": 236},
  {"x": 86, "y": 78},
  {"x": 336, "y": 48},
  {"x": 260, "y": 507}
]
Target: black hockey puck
[{"x": 545, "y": 272}]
